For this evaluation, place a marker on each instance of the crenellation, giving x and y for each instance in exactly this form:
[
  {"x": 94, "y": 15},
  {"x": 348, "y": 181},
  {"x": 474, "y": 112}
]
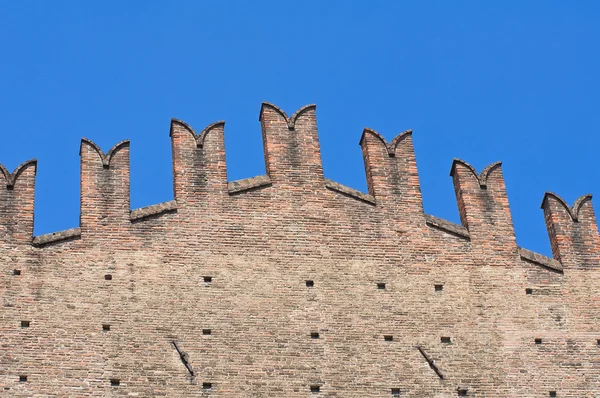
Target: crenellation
[
  {"x": 573, "y": 231},
  {"x": 105, "y": 158},
  {"x": 379, "y": 169},
  {"x": 11, "y": 178},
  {"x": 199, "y": 165},
  {"x": 17, "y": 203},
  {"x": 290, "y": 121},
  {"x": 573, "y": 211},
  {"x": 392, "y": 176},
  {"x": 199, "y": 138},
  {"x": 482, "y": 177},
  {"x": 291, "y": 146},
  {"x": 483, "y": 207},
  {"x": 104, "y": 186},
  {"x": 291, "y": 284}
]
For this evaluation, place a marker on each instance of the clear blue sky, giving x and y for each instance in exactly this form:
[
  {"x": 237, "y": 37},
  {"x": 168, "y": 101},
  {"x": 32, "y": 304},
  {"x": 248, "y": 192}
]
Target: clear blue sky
[{"x": 482, "y": 81}]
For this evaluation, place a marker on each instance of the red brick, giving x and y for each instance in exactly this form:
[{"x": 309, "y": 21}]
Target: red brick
[{"x": 235, "y": 257}]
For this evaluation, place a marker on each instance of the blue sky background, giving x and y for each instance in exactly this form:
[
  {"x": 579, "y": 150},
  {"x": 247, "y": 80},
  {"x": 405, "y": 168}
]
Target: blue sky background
[{"x": 482, "y": 81}]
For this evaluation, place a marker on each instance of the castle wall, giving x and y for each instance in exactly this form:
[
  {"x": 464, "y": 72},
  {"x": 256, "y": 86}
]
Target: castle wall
[{"x": 234, "y": 258}]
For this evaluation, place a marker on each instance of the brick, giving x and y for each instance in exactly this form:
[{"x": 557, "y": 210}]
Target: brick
[{"x": 238, "y": 258}]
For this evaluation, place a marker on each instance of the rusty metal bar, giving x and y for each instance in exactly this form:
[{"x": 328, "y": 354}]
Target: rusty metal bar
[
  {"x": 184, "y": 358},
  {"x": 431, "y": 363}
]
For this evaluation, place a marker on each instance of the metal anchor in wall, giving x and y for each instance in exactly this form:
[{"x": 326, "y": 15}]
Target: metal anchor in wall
[{"x": 184, "y": 358}]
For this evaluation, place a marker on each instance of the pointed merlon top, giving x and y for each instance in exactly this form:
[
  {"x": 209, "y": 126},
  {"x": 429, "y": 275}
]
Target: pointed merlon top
[
  {"x": 574, "y": 210},
  {"x": 391, "y": 147},
  {"x": 198, "y": 137},
  {"x": 11, "y": 178},
  {"x": 482, "y": 177},
  {"x": 291, "y": 121},
  {"x": 105, "y": 158}
]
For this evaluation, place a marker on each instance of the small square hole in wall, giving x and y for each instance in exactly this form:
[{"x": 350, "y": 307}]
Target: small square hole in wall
[
  {"x": 446, "y": 340},
  {"x": 314, "y": 335},
  {"x": 310, "y": 283},
  {"x": 598, "y": 342},
  {"x": 381, "y": 285},
  {"x": 206, "y": 332},
  {"x": 207, "y": 386},
  {"x": 108, "y": 277},
  {"x": 395, "y": 392},
  {"x": 115, "y": 382},
  {"x": 528, "y": 291},
  {"x": 16, "y": 272},
  {"x": 538, "y": 341},
  {"x": 23, "y": 379},
  {"x": 105, "y": 327},
  {"x": 462, "y": 392},
  {"x": 208, "y": 279},
  {"x": 24, "y": 324},
  {"x": 315, "y": 389},
  {"x": 438, "y": 288},
  {"x": 553, "y": 393},
  {"x": 388, "y": 338}
]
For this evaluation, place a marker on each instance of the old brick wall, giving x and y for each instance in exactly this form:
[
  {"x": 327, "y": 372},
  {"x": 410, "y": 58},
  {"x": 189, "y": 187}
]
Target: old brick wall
[{"x": 233, "y": 259}]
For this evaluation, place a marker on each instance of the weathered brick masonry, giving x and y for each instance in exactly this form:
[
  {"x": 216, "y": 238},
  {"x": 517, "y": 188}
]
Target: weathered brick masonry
[{"x": 401, "y": 303}]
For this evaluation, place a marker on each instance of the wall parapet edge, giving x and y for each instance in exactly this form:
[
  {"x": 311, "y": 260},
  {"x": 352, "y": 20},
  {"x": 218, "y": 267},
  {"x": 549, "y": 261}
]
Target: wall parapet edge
[
  {"x": 354, "y": 193},
  {"x": 541, "y": 260},
  {"x": 153, "y": 210},
  {"x": 447, "y": 226},
  {"x": 247, "y": 184},
  {"x": 392, "y": 178},
  {"x": 53, "y": 237}
]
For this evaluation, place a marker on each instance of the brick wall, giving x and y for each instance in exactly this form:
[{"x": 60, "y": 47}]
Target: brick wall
[{"x": 243, "y": 275}]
